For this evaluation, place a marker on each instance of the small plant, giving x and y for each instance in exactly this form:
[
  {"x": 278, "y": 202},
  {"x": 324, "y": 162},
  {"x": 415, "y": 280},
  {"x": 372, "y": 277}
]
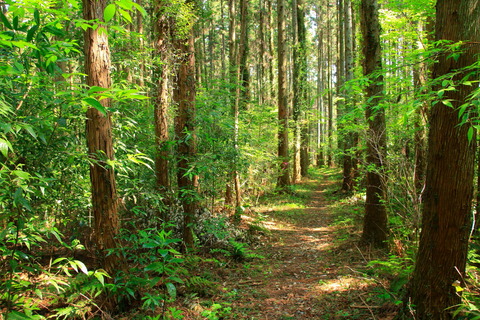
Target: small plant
[
  {"x": 238, "y": 251},
  {"x": 158, "y": 268},
  {"x": 216, "y": 312}
]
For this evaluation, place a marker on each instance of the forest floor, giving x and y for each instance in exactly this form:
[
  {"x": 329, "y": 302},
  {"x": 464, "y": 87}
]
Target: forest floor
[{"x": 311, "y": 266}]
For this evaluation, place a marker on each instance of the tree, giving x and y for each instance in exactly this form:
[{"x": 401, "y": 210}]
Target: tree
[
  {"x": 300, "y": 145},
  {"x": 349, "y": 161},
  {"x": 375, "y": 220},
  {"x": 320, "y": 88},
  {"x": 99, "y": 138},
  {"x": 446, "y": 221},
  {"x": 184, "y": 93},
  {"x": 163, "y": 49},
  {"x": 284, "y": 178}
]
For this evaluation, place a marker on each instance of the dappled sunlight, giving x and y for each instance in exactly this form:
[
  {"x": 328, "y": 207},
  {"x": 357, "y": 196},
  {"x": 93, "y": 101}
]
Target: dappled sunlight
[{"x": 340, "y": 284}]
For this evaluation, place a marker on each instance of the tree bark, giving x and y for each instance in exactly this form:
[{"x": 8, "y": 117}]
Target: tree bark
[
  {"x": 296, "y": 170},
  {"x": 100, "y": 142},
  {"x": 303, "y": 69},
  {"x": 446, "y": 221},
  {"x": 163, "y": 48},
  {"x": 329, "y": 111},
  {"x": 320, "y": 89},
  {"x": 184, "y": 97},
  {"x": 349, "y": 160},
  {"x": 375, "y": 220},
  {"x": 284, "y": 178}
]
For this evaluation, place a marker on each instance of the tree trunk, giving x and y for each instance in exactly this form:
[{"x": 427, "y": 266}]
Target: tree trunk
[
  {"x": 303, "y": 69},
  {"x": 140, "y": 28},
  {"x": 163, "y": 48},
  {"x": 184, "y": 97},
  {"x": 329, "y": 92},
  {"x": 446, "y": 221},
  {"x": 296, "y": 170},
  {"x": 284, "y": 178},
  {"x": 375, "y": 221},
  {"x": 100, "y": 142},
  {"x": 349, "y": 137},
  {"x": 320, "y": 89},
  {"x": 420, "y": 74}
]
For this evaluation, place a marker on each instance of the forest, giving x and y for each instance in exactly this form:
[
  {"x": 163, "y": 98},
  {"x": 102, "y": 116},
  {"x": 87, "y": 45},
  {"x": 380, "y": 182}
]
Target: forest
[{"x": 239, "y": 159}]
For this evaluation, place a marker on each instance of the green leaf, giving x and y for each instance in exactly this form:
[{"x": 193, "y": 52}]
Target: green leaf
[
  {"x": 470, "y": 136},
  {"x": 5, "y": 21},
  {"x": 126, "y": 15},
  {"x": 31, "y": 32},
  {"x": 462, "y": 109},
  {"x": 36, "y": 16},
  {"x": 73, "y": 265},
  {"x": 5, "y": 146},
  {"x": 97, "y": 105},
  {"x": 140, "y": 8},
  {"x": 58, "y": 260},
  {"x": 30, "y": 130},
  {"x": 109, "y": 12},
  {"x": 15, "y": 315},
  {"x": 15, "y": 23},
  {"x": 126, "y": 4},
  {"x": 94, "y": 89},
  {"x": 82, "y": 266},
  {"x": 448, "y": 103},
  {"x": 172, "y": 291},
  {"x": 21, "y": 174}
]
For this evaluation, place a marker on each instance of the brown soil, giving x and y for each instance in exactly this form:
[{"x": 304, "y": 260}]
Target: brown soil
[{"x": 311, "y": 270}]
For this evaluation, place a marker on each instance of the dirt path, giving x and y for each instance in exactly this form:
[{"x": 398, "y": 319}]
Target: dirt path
[{"x": 309, "y": 270}]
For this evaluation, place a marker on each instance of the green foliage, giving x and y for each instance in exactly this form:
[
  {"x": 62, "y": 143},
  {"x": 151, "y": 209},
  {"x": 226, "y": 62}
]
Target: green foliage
[
  {"x": 157, "y": 268},
  {"x": 238, "y": 251},
  {"x": 216, "y": 312},
  {"x": 398, "y": 270}
]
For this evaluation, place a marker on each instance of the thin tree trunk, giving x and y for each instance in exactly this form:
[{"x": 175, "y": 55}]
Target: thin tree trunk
[
  {"x": 320, "y": 89},
  {"x": 163, "y": 47},
  {"x": 296, "y": 170},
  {"x": 349, "y": 137},
  {"x": 303, "y": 69},
  {"x": 284, "y": 178},
  {"x": 329, "y": 92},
  {"x": 140, "y": 28},
  {"x": 270, "y": 45},
  {"x": 375, "y": 220}
]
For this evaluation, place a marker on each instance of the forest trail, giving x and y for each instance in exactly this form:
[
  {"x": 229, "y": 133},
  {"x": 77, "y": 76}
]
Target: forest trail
[{"x": 310, "y": 266}]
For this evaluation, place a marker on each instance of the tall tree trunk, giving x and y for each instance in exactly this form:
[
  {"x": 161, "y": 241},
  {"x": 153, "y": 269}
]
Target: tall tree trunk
[
  {"x": 329, "y": 91},
  {"x": 296, "y": 170},
  {"x": 320, "y": 89},
  {"x": 184, "y": 97},
  {"x": 163, "y": 49},
  {"x": 284, "y": 178},
  {"x": 446, "y": 221},
  {"x": 140, "y": 28},
  {"x": 375, "y": 221},
  {"x": 270, "y": 47},
  {"x": 262, "y": 90},
  {"x": 99, "y": 140},
  {"x": 239, "y": 83},
  {"x": 303, "y": 69},
  {"x": 349, "y": 137},
  {"x": 300, "y": 158},
  {"x": 420, "y": 72}
]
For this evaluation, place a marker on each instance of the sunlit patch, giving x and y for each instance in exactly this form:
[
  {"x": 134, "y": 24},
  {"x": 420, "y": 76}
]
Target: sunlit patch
[{"x": 341, "y": 284}]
